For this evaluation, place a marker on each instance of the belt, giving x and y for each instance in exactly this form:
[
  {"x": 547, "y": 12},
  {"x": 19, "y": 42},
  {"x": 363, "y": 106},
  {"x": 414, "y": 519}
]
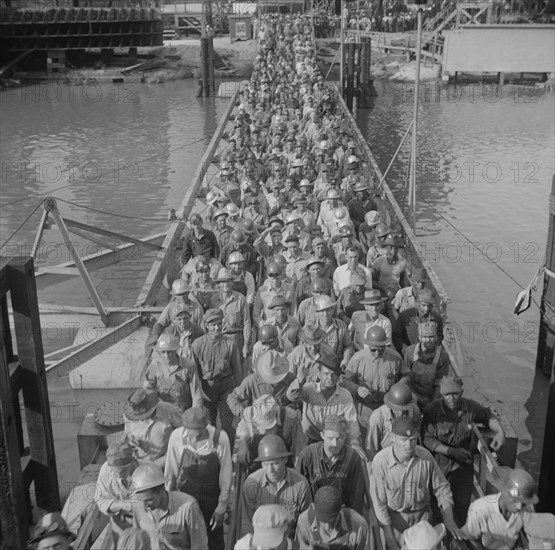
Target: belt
[
  {"x": 218, "y": 378},
  {"x": 233, "y": 332}
]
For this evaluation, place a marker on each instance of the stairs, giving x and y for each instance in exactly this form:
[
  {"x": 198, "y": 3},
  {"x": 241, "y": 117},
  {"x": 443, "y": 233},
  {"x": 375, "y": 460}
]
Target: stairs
[{"x": 442, "y": 18}]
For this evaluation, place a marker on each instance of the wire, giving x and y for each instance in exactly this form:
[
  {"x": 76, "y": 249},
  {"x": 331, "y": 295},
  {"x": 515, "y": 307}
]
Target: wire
[
  {"x": 112, "y": 213},
  {"x": 21, "y": 225},
  {"x": 104, "y": 174}
]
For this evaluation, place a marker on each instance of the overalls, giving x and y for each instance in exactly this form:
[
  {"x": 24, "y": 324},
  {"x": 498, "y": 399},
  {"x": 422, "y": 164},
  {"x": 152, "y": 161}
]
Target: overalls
[{"x": 199, "y": 476}]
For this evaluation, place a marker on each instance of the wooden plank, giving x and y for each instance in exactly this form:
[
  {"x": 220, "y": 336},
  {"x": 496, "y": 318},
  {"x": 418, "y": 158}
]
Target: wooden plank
[
  {"x": 112, "y": 234},
  {"x": 66, "y": 365},
  {"x": 5, "y": 333},
  {"x": 158, "y": 270},
  {"x": 14, "y": 519},
  {"x": 57, "y": 270},
  {"x": 38, "y": 236},
  {"x": 35, "y": 392}
]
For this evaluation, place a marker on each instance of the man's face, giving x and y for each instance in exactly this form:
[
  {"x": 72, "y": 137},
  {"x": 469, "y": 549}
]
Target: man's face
[
  {"x": 334, "y": 441},
  {"x": 376, "y": 351},
  {"x": 214, "y": 327},
  {"x": 151, "y": 499},
  {"x": 196, "y": 223},
  {"x": 328, "y": 378},
  {"x": 280, "y": 313},
  {"x": 315, "y": 271},
  {"x": 428, "y": 342},
  {"x": 352, "y": 258},
  {"x": 359, "y": 289},
  {"x": 326, "y": 316},
  {"x": 203, "y": 271},
  {"x": 55, "y": 542},
  {"x": 373, "y": 310},
  {"x": 220, "y": 222},
  {"x": 226, "y": 286},
  {"x": 452, "y": 400},
  {"x": 292, "y": 246},
  {"x": 391, "y": 252},
  {"x": 424, "y": 308},
  {"x": 275, "y": 470},
  {"x": 199, "y": 434},
  {"x": 236, "y": 267},
  {"x": 182, "y": 322},
  {"x": 404, "y": 447}
]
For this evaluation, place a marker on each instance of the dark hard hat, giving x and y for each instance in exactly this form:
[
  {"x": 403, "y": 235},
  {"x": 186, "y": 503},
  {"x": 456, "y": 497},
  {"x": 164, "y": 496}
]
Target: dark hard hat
[
  {"x": 238, "y": 237},
  {"x": 268, "y": 333},
  {"x": 520, "y": 485},
  {"x": 271, "y": 446},
  {"x": 247, "y": 225},
  {"x": 399, "y": 395},
  {"x": 376, "y": 336},
  {"x": 318, "y": 285}
]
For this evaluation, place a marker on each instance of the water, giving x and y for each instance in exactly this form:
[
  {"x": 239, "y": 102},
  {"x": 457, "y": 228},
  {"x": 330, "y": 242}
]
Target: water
[
  {"x": 485, "y": 163},
  {"x": 132, "y": 149}
]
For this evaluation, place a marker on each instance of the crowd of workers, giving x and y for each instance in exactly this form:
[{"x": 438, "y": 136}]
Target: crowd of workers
[{"x": 297, "y": 336}]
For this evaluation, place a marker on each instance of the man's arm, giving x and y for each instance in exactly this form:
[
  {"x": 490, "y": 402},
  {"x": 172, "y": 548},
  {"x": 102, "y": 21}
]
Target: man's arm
[
  {"x": 194, "y": 521},
  {"x": 240, "y": 397},
  {"x": 249, "y": 499},
  {"x": 195, "y": 387},
  {"x": 187, "y": 253},
  {"x": 226, "y": 472},
  {"x": 247, "y": 327},
  {"x": 398, "y": 334},
  {"x": 236, "y": 364},
  {"x": 258, "y": 309}
]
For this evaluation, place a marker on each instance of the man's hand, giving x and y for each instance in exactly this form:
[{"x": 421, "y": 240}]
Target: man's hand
[
  {"x": 302, "y": 373},
  {"x": 245, "y": 351},
  {"x": 498, "y": 441},
  {"x": 363, "y": 392},
  {"x": 462, "y": 456},
  {"x": 243, "y": 453},
  {"x": 391, "y": 543},
  {"x": 216, "y": 521},
  {"x": 451, "y": 526}
]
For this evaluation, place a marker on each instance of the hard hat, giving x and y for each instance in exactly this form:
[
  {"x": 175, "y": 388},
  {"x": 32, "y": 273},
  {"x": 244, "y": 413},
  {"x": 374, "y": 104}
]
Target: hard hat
[
  {"x": 238, "y": 237},
  {"x": 271, "y": 446},
  {"x": 246, "y": 225},
  {"x": 352, "y": 159},
  {"x": 382, "y": 231},
  {"x": 340, "y": 213},
  {"x": 179, "y": 286},
  {"x": 147, "y": 476},
  {"x": 235, "y": 258},
  {"x": 318, "y": 285},
  {"x": 520, "y": 485},
  {"x": 268, "y": 333},
  {"x": 375, "y": 336},
  {"x": 345, "y": 231},
  {"x": 393, "y": 240},
  {"x": 224, "y": 275},
  {"x": 333, "y": 194},
  {"x": 167, "y": 342},
  {"x": 212, "y": 197},
  {"x": 232, "y": 209},
  {"x": 51, "y": 525},
  {"x": 323, "y": 302},
  {"x": 274, "y": 269},
  {"x": 399, "y": 395},
  {"x": 220, "y": 212}
]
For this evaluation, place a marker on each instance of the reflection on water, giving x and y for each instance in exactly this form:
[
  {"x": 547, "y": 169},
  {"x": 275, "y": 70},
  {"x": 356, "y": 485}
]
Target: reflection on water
[
  {"x": 485, "y": 162},
  {"x": 128, "y": 149}
]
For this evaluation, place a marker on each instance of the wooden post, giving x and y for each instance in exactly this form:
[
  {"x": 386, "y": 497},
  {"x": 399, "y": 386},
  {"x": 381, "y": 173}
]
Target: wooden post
[
  {"x": 211, "y": 75},
  {"x": 204, "y": 66},
  {"x": 546, "y": 488},
  {"x": 546, "y": 339}
]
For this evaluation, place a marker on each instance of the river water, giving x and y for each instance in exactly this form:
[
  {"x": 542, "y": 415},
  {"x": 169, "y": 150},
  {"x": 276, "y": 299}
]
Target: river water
[{"x": 485, "y": 166}]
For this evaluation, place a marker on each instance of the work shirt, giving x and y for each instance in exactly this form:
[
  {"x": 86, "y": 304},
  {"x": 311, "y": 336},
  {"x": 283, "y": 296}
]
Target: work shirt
[
  {"x": 217, "y": 358},
  {"x": 222, "y": 235},
  {"x": 263, "y": 298},
  {"x": 259, "y": 348},
  {"x": 361, "y": 322},
  {"x": 237, "y": 318},
  {"x": 405, "y": 487},
  {"x": 307, "y": 311},
  {"x": 253, "y": 387},
  {"x": 342, "y": 277},
  {"x": 190, "y": 269},
  {"x": 374, "y": 252},
  {"x": 246, "y": 278},
  {"x": 303, "y": 290},
  {"x": 337, "y": 337},
  {"x": 485, "y": 523},
  {"x": 442, "y": 426},
  {"x": 317, "y": 408},
  {"x": 110, "y": 490},
  {"x": 194, "y": 245},
  {"x": 376, "y": 374},
  {"x": 340, "y": 250},
  {"x": 289, "y": 332},
  {"x": 404, "y": 298},
  {"x": 296, "y": 265},
  {"x": 321, "y": 469},
  {"x": 358, "y": 208},
  {"x": 183, "y": 514},
  {"x": 293, "y": 493},
  {"x": 204, "y": 292},
  {"x": 351, "y": 531},
  {"x": 389, "y": 275},
  {"x": 379, "y": 428},
  {"x": 149, "y": 438},
  {"x": 301, "y": 358},
  {"x": 405, "y": 330},
  {"x": 179, "y": 441},
  {"x": 348, "y": 302},
  {"x": 175, "y": 382}
]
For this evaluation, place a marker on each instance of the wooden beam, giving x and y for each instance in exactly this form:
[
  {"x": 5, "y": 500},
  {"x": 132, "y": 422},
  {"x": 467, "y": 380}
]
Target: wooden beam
[
  {"x": 35, "y": 392},
  {"x": 77, "y": 358},
  {"x": 14, "y": 518},
  {"x": 40, "y": 231},
  {"x": 112, "y": 234},
  {"x": 57, "y": 270},
  {"x": 151, "y": 287}
]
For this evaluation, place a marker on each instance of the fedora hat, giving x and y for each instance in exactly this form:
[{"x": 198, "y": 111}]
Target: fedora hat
[
  {"x": 312, "y": 335},
  {"x": 279, "y": 301},
  {"x": 262, "y": 413},
  {"x": 372, "y": 218},
  {"x": 140, "y": 404},
  {"x": 51, "y": 525},
  {"x": 422, "y": 536},
  {"x": 372, "y": 297},
  {"x": 419, "y": 275},
  {"x": 272, "y": 366}
]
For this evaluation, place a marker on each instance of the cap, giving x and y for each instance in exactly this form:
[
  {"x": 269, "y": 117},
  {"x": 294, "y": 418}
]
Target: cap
[
  {"x": 330, "y": 362},
  {"x": 419, "y": 275},
  {"x": 428, "y": 328},
  {"x": 270, "y": 523},
  {"x": 327, "y": 504},
  {"x": 291, "y": 238},
  {"x": 312, "y": 335},
  {"x": 450, "y": 384},
  {"x": 426, "y": 296},
  {"x": 224, "y": 275},
  {"x": 318, "y": 240},
  {"x": 405, "y": 426},
  {"x": 336, "y": 423},
  {"x": 194, "y": 418},
  {"x": 119, "y": 454},
  {"x": 213, "y": 315}
]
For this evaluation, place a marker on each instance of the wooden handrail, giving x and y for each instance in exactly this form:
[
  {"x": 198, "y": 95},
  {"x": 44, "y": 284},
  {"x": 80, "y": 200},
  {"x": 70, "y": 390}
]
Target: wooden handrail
[
  {"x": 234, "y": 528},
  {"x": 83, "y": 541}
]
